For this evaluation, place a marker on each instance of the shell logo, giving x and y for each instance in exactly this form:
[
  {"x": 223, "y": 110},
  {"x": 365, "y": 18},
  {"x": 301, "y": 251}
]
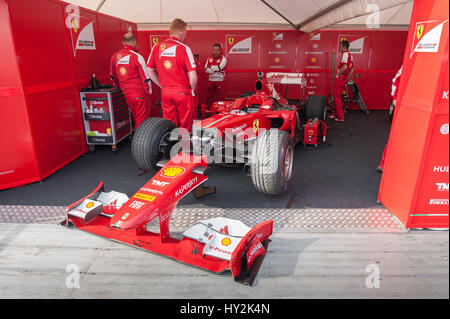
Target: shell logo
[
  {"x": 123, "y": 71},
  {"x": 89, "y": 205},
  {"x": 277, "y": 59},
  {"x": 313, "y": 60},
  {"x": 172, "y": 171},
  {"x": 226, "y": 241},
  {"x": 167, "y": 64}
]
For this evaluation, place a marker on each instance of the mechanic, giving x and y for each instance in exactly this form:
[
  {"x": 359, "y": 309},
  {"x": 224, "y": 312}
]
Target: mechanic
[
  {"x": 394, "y": 92},
  {"x": 172, "y": 67},
  {"x": 196, "y": 92},
  {"x": 129, "y": 73},
  {"x": 345, "y": 67},
  {"x": 215, "y": 66}
]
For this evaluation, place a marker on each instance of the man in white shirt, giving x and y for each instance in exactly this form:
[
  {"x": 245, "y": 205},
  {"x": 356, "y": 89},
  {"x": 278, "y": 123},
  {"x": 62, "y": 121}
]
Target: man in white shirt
[{"x": 215, "y": 66}]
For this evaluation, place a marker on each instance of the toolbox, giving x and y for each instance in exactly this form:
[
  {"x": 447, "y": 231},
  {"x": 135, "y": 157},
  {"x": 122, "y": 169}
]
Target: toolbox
[{"x": 106, "y": 116}]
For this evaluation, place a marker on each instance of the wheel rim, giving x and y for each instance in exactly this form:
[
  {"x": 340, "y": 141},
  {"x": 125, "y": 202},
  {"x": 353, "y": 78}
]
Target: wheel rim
[
  {"x": 164, "y": 145},
  {"x": 288, "y": 163}
]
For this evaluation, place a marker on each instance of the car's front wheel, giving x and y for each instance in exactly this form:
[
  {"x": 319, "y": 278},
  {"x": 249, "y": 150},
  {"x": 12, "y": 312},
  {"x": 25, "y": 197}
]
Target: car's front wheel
[
  {"x": 272, "y": 162},
  {"x": 151, "y": 142}
]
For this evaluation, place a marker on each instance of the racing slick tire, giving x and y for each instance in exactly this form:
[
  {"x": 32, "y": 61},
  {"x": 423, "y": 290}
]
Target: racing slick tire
[
  {"x": 151, "y": 142},
  {"x": 272, "y": 164},
  {"x": 315, "y": 107}
]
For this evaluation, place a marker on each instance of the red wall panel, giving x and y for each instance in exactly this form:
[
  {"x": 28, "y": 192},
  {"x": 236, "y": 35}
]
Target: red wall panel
[
  {"x": 294, "y": 51},
  {"x": 46, "y": 70}
]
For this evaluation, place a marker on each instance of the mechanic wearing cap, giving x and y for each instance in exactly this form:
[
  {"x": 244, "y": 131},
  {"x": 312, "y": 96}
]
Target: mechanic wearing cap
[
  {"x": 394, "y": 92},
  {"x": 215, "y": 66},
  {"x": 172, "y": 67},
  {"x": 345, "y": 67},
  {"x": 128, "y": 72}
]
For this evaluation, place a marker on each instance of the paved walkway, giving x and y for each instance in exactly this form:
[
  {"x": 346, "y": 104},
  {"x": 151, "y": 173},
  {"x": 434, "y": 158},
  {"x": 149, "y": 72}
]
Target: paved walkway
[{"x": 316, "y": 263}]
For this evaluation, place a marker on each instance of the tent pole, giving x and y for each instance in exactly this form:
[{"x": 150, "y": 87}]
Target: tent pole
[
  {"x": 100, "y": 5},
  {"x": 277, "y": 12},
  {"x": 322, "y": 12}
]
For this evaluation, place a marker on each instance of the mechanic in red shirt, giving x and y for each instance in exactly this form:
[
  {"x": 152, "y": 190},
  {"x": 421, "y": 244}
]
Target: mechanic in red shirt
[
  {"x": 344, "y": 69},
  {"x": 394, "y": 93},
  {"x": 172, "y": 67},
  {"x": 215, "y": 66},
  {"x": 128, "y": 72}
]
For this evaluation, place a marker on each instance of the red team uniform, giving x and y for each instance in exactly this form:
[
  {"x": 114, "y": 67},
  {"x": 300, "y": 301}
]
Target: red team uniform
[
  {"x": 215, "y": 68},
  {"x": 339, "y": 85},
  {"x": 128, "y": 72},
  {"x": 173, "y": 60}
]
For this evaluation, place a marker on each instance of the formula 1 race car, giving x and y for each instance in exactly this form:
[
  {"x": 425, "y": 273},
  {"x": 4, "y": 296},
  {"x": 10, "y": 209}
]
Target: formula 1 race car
[{"x": 258, "y": 130}]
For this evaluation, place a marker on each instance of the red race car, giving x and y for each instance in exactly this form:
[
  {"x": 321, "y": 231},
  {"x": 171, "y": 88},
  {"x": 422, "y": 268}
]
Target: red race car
[{"x": 259, "y": 131}]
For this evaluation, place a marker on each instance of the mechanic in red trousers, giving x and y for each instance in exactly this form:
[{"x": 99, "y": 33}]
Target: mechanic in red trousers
[
  {"x": 394, "y": 92},
  {"x": 215, "y": 66},
  {"x": 344, "y": 69},
  {"x": 172, "y": 67},
  {"x": 129, "y": 72}
]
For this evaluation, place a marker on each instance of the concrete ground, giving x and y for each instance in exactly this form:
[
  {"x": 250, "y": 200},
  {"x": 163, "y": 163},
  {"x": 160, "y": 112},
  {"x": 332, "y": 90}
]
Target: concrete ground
[{"x": 38, "y": 260}]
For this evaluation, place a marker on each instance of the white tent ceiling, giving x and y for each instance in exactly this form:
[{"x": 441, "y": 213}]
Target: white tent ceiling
[{"x": 305, "y": 15}]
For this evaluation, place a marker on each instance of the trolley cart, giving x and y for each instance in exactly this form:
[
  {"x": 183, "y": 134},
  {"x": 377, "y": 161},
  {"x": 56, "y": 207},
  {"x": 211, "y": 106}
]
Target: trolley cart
[{"x": 106, "y": 116}]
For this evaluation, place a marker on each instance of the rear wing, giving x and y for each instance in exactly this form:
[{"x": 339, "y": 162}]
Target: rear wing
[{"x": 286, "y": 78}]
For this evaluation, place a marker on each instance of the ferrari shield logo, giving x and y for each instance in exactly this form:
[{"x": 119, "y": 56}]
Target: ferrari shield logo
[
  {"x": 255, "y": 125},
  {"x": 163, "y": 47},
  {"x": 419, "y": 31},
  {"x": 230, "y": 40},
  {"x": 75, "y": 25},
  {"x": 155, "y": 41}
]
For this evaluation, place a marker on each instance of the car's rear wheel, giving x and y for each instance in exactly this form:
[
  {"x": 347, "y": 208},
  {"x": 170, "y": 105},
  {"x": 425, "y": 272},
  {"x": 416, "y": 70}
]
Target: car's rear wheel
[
  {"x": 151, "y": 142},
  {"x": 315, "y": 107},
  {"x": 272, "y": 164}
]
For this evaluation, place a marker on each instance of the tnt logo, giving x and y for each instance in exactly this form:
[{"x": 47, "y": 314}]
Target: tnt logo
[
  {"x": 136, "y": 204},
  {"x": 442, "y": 187},
  {"x": 159, "y": 183}
]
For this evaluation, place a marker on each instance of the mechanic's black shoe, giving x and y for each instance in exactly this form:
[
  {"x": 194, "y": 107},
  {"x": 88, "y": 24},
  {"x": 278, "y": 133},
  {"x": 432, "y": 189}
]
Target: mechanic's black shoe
[{"x": 380, "y": 168}]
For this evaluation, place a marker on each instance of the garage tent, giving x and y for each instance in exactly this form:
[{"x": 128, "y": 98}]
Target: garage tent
[{"x": 304, "y": 15}]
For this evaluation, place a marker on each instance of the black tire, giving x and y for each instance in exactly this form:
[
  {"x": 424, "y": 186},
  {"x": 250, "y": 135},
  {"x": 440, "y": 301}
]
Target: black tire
[
  {"x": 149, "y": 138},
  {"x": 269, "y": 169},
  {"x": 246, "y": 94},
  {"x": 315, "y": 107}
]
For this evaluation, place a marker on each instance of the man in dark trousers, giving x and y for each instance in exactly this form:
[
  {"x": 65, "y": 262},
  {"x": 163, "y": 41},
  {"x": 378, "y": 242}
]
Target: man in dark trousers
[
  {"x": 128, "y": 72},
  {"x": 215, "y": 68}
]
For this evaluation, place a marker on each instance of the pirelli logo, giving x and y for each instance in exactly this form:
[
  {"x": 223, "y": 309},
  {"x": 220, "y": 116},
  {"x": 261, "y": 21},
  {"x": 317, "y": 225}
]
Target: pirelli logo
[{"x": 145, "y": 197}]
